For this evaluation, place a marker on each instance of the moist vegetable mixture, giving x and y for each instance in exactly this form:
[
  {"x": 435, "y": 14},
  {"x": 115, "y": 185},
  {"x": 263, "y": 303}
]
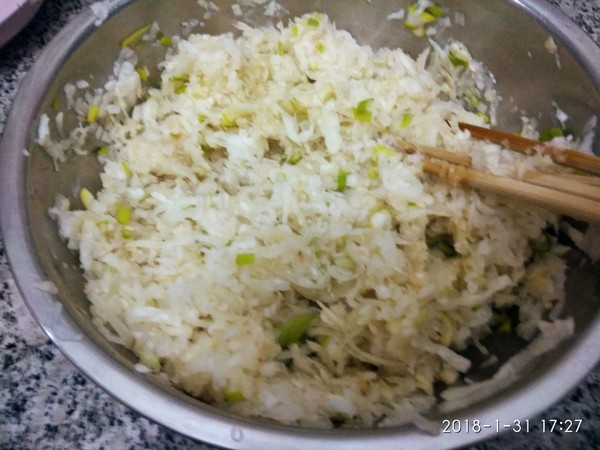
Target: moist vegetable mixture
[{"x": 260, "y": 239}]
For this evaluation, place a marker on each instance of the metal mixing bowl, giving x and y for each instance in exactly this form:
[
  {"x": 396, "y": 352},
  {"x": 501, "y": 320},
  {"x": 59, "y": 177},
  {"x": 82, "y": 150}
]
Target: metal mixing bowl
[{"x": 508, "y": 35}]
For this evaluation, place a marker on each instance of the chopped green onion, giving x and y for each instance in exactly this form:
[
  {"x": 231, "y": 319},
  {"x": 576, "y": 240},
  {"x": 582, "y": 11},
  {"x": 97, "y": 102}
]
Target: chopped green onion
[
  {"x": 227, "y": 122},
  {"x": 456, "y": 60},
  {"x": 342, "y": 180},
  {"x": 126, "y": 233},
  {"x": 362, "y": 111},
  {"x": 164, "y": 39},
  {"x": 126, "y": 168},
  {"x": 280, "y": 48},
  {"x": 92, "y": 114},
  {"x": 143, "y": 73},
  {"x": 320, "y": 47},
  {"x": 381, "y": 149},
  {"x": 292, "y": 331},
  {"x": 324, "y": 340},
  {"x": 412, "y": 26},
  {"x": 86, "y": 197},
  {"x": 123, "y": 215},
  {"x": 244, "y": 259},
  {"x": 411, "y": 204},
  {"x": 406, "y": 120},
  {"x": 55, "y": 105},
  {"x": 233, "y": 396},
  {"x": 551, "y": 133},
  {"x": 483, "y": 116},
  {"x": 135, "y": 35},
  {"x": 294, "y": 30},
  {"x": 103, "y": 151},
  {"x": 229, "y": 242},
  {"x": 427, "y": 17},
  {"x": 207, "y": 148},
  {"x": 373, "y": 174},
  {"x": 312, "y": 22},
  {"x": 180, "y": 83},
  {"x": 295, "y": 157},
  {"x": 201, "y": 118},
  {"x": 435, "y": 10}
]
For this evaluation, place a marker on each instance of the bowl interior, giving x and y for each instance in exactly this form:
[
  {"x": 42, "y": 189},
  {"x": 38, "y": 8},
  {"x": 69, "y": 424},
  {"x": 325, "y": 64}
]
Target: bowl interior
[{"x": 500, "y": 33}]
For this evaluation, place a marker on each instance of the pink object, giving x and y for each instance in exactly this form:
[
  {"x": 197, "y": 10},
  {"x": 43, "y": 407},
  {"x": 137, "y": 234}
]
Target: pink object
[{"x": 14, "y": 15}]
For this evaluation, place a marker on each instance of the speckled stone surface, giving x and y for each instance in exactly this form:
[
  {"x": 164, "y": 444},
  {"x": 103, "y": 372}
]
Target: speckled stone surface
[{"x": 46, "y": 403}]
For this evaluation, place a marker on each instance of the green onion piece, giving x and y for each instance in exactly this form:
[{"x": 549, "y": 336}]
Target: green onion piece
[
  {"x": 295, "y": 157},
  {"x": 233, "y": 396},
  {"x": 123, "y": 215},
  {"x": 86, "y": 197},
  {"x": 207, "y": 148},
  {"x": 126, "y": 233},
  {"x": 103, "y": 151},
  {"x": 342, "y": 180},
  {"x": 456, "y": 60},
  {"x": 143, "y": 73},
  {"x": 180, "y": 83},
  {"x": 483, "y": 116},
  {"x": 472, "y": 99},
  {"x": 92, "y": 114},
  {"x": 406, "y": 120},
  {"x": 551, "y": 133},
  {"x": 135, "y": 35},
  {"x": 229, "y": 242},
  {"x": 320, "y": 47},
  {"x": 295, "y": 30},
  {"x": 126, "y": 168},
  {"x": 435, "y": 10},
  {"x": 411, "y": 204},
  {"x": 427, "y": 18},
  {"x": 244, "y": 259},
  {"x": 280, "y": 48},
  {"x": 227, "y": 122},
  {"x": 381, "y": 149},
  {"x": 201, "y": 118},
  {"x": 373, "y": 174},
  {"x": 324, "y": 340},
  {"x": 55, "y": 105},
  {"x": 164, "y": 39},
  {"x": 292, "y": 331},
  {"x": 362, "y": 111},
  {"x": 312, "y": 22}
]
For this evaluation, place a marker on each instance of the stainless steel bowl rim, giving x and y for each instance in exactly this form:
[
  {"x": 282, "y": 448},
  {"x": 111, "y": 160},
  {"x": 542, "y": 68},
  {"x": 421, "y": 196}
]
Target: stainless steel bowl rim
[{"x": 209, "y": 426}]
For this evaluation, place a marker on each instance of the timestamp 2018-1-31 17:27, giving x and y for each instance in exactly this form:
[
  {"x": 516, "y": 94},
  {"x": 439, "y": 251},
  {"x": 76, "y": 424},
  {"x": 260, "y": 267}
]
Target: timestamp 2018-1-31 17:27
[{"x": 516, "y": 426}]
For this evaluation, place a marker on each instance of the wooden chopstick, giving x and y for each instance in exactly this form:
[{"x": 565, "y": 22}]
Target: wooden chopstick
[
  {"x": 566, "y": 157},
  {"x": 560, "y": 182},
  {"x": 455, "y": 168}
]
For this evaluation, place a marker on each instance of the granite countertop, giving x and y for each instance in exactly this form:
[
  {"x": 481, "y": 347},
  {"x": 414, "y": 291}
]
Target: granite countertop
[{"x": 45, "y": 402}]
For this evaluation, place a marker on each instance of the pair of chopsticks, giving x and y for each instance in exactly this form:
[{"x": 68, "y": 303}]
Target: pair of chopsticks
[{"x": 573, "y": 195}]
